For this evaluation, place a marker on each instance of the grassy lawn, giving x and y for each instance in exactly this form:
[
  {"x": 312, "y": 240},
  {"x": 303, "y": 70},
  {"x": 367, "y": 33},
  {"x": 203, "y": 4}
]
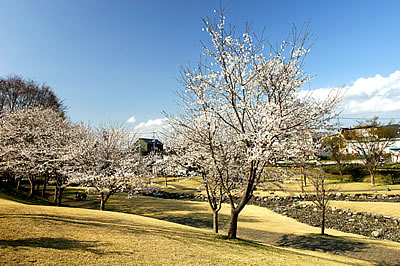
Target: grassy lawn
[
  {"x": 261, "y": 225},
  {"x": 32, "y": 234},
  {"x": 384, "y": 208},
  {"x": 179, "y": 184},
  {"x": 266, "y": 231},
  {"x": 182, "y": 185}
]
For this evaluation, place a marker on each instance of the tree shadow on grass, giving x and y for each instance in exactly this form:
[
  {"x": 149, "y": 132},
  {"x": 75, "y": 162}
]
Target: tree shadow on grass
[
  {"x": 56, "y": 218},
  {"x": 324, "y": 243},
  {"x": 58, "y": 244},
  {"x": 191, "y": 213},
  {"x": 342, "y": 246},
  {"x": 194, "y": 220}
]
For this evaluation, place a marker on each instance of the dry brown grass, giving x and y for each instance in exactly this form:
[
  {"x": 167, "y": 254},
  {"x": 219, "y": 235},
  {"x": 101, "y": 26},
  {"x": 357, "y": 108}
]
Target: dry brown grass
[
  {"x": 50, "y": 235},
  {"x": 181, "y": 185},
  {"x": 384, "y": 208},
  {"x": 264, "y": 226}
]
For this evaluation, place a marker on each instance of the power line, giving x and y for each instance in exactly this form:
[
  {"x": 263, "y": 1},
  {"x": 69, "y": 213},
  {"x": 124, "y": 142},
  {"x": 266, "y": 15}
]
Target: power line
[{"x": 354, "y": 118}]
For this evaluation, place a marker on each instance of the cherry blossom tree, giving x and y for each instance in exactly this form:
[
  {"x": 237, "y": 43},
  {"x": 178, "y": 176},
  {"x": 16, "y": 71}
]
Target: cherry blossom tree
[
  {"x": 73, "y": 142},
  {"x": 253, "y": 99},
  {"x": 190, "y": 143},
  {"x": 111, "y": 163},
  {"x": 17, "y": 92},
  {"x": 32, "y": 143}
]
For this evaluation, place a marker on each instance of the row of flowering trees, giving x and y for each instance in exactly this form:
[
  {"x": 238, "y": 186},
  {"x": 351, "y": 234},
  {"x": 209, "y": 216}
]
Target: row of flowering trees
[
  {"x": 241, "y": 114},
  {"x": 41, "y": 145}
]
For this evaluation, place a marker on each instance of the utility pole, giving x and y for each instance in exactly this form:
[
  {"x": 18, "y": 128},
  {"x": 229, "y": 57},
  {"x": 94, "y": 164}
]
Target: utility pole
[{"x": 154, "y": 141}]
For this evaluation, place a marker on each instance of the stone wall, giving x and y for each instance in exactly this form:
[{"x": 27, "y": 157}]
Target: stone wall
[
  {"x": 368, "y": 197},
  {"x": 363, "y": 223}
]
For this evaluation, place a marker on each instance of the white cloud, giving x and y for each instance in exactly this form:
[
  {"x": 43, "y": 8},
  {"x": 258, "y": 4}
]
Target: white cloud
[
  {"x": 319, "y": 94},
  {"x": 131, "y": 120},
  {"x": 146, "y": 129},
  {"x": 376, "y": 94},
  {"x": 151, "y": 123}
]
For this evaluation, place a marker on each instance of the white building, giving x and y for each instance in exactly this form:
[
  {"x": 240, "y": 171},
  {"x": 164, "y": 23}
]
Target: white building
[{"x": 393, "y": 149}]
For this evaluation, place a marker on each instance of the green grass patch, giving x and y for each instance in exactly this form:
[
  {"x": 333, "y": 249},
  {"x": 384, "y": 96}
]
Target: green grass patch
[{"x": 22, "y": 196}]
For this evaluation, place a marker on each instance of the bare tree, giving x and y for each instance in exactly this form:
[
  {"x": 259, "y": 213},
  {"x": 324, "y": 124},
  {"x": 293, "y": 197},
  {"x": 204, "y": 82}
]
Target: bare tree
[
  {"x": 335, "y": 145},
  {"x": 318, "y": 192},
  {"x": 370, "y": 140},
  {"x": 17, "y": 92}
]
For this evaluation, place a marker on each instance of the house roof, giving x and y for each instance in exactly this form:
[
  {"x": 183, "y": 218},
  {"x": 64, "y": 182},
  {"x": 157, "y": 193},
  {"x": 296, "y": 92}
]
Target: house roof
[
  {"x": 394, "y": 126},
  {"x": 151, "y": 141},
  {"x": 363, "y": 127}
]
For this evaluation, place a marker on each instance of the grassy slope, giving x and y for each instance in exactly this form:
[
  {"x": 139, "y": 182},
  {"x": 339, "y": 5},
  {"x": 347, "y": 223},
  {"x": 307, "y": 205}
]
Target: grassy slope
[
  {"x": 264, "y": 226},
  {"x": 44, "y": 234}
]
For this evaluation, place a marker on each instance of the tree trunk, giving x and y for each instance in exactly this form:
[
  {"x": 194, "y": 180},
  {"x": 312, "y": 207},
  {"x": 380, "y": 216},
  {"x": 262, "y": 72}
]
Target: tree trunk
[
  {"x": 55, "y": 195},
  {"x": 323, "y": 221},
  {"x": 102, "y": 202},
  {"x": 58, "y": 203},
  {"x": 60, "y": 193},
  {"x": 341, "y": 173},
  {"x": 233, "y": 225},
  {"x": 215, "y": 221},
  {"x": 303, "y": 178},
  {"x": 18, "y": 183},
  {"x": 302, "y": 186},
  {"x": 372, "y": 173},
  {"x": 31, "y": 188},
  {"x": 46, "y": 180},
  {"x": 44, "y": 189}
]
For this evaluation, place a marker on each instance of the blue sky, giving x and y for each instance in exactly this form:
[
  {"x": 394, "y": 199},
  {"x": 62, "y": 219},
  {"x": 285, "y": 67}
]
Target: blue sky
[{"x": 111, "y": 60}]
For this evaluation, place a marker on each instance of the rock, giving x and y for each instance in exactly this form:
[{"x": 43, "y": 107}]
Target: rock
[
  {"x": 388, "y": 189},
  {"x": 377, "y": 233}
]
